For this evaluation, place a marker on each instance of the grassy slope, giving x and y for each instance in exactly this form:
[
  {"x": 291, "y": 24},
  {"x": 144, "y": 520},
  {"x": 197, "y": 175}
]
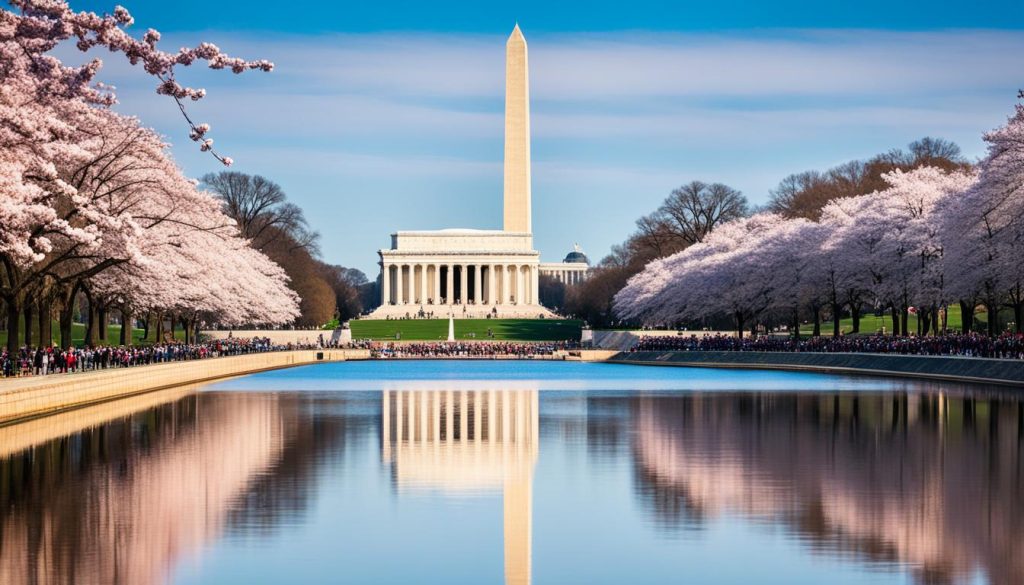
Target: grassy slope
[{"x": 435, "y": 329}]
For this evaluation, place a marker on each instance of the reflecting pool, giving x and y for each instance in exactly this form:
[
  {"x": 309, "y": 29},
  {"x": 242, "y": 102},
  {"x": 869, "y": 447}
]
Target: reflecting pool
[{"x": 520, "y": 472}]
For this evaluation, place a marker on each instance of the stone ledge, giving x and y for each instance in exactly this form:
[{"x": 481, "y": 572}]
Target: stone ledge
[
  {"x": 27, "y": 397},
  {"x": 948, "y": 368}
]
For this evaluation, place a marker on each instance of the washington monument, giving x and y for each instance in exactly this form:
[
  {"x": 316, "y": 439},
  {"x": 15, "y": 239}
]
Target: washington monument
[{"x": 517, "y": 135}]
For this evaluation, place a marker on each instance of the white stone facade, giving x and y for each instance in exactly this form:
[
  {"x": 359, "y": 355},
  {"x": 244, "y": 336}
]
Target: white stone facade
[
  {"x": 474, "y": 273},
  {"x": 568, "y": 273}
]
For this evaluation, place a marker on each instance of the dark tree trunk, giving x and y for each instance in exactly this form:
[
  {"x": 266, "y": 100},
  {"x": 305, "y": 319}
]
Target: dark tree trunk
[
  {"x": 904, "y": 320},
  {"x": 126, "y": 326},
  {"x": 935, "y": 321},
  {"x": 836, "y": 314},
  {"x": 159, "y": 330},
  {"x": 923, "y": 321},
  {"x": 92, "y": 330},
  {"x": 796, "y": 324},
  {"x": 855, "y": 314},
  {"x": 1018, "y": 311},
  {"x": 739, "y": 325},
  {"x": 27, "y": 312},
  {"x": 186, "y": 329},
  {"x": 145, "y": 325},
  {"x": 45, "y": 327},
  {"x": 816, "y": 314},
  {"x": 966, "y": 316},
  {"x": 104, "y": 321},
  {"x": 993, "y": 318},
  {"x": 13, "y": 314},
  {"x": 66, "y": 317}
]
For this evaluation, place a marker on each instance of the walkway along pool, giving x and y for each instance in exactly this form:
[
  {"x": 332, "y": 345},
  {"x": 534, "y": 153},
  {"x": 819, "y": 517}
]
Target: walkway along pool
[{"x": 521, "y": 472}]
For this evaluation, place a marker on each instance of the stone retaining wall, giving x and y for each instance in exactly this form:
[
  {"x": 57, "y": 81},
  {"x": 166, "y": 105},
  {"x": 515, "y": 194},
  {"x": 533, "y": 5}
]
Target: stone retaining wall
[
  {"x": 33, "y": 396},
  {"x": 960, "y": 369}
]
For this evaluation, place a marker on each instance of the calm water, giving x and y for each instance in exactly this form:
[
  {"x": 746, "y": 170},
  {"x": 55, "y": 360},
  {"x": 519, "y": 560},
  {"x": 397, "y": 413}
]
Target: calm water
[{"x": 520, "y": 472}]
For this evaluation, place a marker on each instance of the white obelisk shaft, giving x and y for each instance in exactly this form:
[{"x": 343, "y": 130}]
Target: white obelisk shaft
[{"x": 517, "y": 135}]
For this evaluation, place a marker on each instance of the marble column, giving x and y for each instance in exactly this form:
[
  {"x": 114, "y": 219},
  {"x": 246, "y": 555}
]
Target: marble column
[
  {"x": 536, "y": 284},
  {"x": 490, "y": 285},
  {"x": 423, "y": 284},
  {"x": 437, "y": 284},
  {"x": 385, "y": 284},
  {"x": 399, "y": 296},
  {"x": 506, "y": 297},
  {"x": 519, "y": 285},
  {"x": 464, "y": 279},
  {"x": 477, "y": 285},
  {"x": 450, "y": 283}
]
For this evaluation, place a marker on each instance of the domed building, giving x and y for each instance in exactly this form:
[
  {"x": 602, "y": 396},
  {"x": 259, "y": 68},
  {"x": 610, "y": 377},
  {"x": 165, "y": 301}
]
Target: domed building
[{"x": 572, "y": 270}]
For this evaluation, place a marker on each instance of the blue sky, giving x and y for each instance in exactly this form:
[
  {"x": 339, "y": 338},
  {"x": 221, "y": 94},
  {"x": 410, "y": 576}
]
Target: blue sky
[{"x": 384, "y": 116}]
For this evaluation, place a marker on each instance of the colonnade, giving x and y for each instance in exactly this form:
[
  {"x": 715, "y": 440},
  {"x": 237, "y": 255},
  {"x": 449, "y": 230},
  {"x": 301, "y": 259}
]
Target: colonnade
[
  {"x": 408, "y": 283},
  {"x": 568, "y": 277}
]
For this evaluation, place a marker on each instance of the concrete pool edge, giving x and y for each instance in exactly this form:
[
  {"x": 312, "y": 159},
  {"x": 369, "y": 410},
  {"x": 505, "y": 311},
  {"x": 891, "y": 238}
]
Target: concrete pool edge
[
  {"x": 937, "y": 368},
  {"x": 33, "y": 396}
]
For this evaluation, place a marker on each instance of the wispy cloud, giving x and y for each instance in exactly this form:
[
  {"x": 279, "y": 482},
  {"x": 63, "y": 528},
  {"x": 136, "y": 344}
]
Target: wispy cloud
[{"x": 618, "y": 119}]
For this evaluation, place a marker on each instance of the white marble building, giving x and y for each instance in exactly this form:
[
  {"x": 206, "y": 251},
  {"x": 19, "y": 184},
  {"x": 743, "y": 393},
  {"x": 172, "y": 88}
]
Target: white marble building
[
  {"x": 571, "y": 271},
  {"x": 469, "y": 272}
]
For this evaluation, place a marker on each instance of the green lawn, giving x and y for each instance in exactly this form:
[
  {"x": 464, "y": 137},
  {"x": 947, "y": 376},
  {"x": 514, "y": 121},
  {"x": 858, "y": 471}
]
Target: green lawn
[
  {"x": 870, "y": 324},
  {"x": 78, "y": 334},
  {"x": 437, "y": 329}
]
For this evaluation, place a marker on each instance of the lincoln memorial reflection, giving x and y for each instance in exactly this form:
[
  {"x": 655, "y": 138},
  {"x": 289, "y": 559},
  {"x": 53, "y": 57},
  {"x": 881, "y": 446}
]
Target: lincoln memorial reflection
[
  {"x": 139, "y": 490},
  {"x": 459, "y": 441}
]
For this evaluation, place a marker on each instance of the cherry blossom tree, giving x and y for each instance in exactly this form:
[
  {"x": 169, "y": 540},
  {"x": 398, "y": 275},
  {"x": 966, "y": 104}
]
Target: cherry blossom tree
[
  {"x": 884, "y": 246},
  {"x": 984, "y": 228},
  {"x": 83, "y": 189}
]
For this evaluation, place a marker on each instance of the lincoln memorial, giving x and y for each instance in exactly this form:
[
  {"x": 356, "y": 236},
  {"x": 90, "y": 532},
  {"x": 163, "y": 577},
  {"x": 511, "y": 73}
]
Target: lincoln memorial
[{"x": 473, "y": 272}]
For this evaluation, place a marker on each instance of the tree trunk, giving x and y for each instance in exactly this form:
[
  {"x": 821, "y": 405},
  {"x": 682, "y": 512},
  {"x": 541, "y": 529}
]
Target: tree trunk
[
  {"x": 92, "y": 338},
  {"x": 796, "y": 323},
  {"x": 836, "y": 313},
  {"x": 159, "y": 330},
  {"x": 817, "y": 320},
  {"x": 104, "y": 322},
  {"x": 27, "y": 312},
  {"x": 145, "y": 325},
  {"x": 935, "y": 321},
  {"x": 966, "y": 316},
  {"x": 904, "y": 320},
  {"x": 126, "y": 326},
  {"x": 185, "y": 328},
  {"x": 739, "y": 325},
  {"x": 855, "y": 314},
  {"x": 45, "y": 327},
  {"x": 67, "y": 315},
  {"x": 923, "y": 322},
  {"x": 993, "y": 318},
  {"x": 895, "y": 321},
  {"x": 13, "y": 314},
  {"x": 1018, "y": 311}
]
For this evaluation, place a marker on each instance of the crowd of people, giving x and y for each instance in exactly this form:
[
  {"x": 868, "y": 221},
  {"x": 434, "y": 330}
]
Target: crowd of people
[
  {"x": 1006, "y": 346},
  {"x": 460, "y": 349},
  {"x": 41, "y": 361}
]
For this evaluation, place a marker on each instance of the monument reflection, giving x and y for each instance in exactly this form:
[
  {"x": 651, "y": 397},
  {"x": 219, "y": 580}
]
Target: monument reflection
[
  {"x": 895, "y": 486},
  {"x": 456, "y": 441}
]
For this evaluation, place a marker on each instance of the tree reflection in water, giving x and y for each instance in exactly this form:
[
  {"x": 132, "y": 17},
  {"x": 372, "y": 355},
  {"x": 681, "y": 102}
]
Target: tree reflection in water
[
  {"x": 932, "y": 482},
  {"x": 125, "y": 492}
]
